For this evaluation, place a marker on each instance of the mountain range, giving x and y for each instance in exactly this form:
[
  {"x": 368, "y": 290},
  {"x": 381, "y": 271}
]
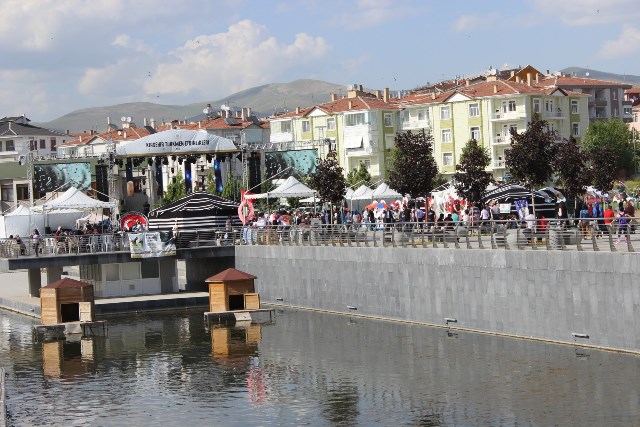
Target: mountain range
[{"x": 263, "y": 100}]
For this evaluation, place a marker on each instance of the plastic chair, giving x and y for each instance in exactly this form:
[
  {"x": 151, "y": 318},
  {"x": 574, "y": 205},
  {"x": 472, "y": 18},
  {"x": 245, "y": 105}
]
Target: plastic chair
[
  {"x": 50, "y": 245},
  {"x": 107, "y": 243},
  {"x": 93, "y": 244}
]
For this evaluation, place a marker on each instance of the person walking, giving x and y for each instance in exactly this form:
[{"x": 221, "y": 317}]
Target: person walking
[{"x": 623, "y": 222}]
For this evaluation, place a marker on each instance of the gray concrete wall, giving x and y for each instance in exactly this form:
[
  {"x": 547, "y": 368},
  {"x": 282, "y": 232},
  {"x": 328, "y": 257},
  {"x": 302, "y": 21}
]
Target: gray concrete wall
[{"x": 539, "y": 294}]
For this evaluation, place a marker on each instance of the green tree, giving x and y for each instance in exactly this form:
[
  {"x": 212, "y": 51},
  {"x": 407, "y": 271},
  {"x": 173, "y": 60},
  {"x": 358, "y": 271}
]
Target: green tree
[
  {"x": 571, "y": 168},
  {"x": 210, "y": 183},
  {"x": 603, "y": 167},
  {"x": 329, "y": 181},
  {"x": 359, "y": 176},
  {"x": 231, "y": 188},
  {"x": 531, "y": 155},
  {"x": 177, "y": 189},
  {"x": 471, "y": 178},
  {"x": 413, "y": 167},
  {"x": 615, "y": 134}
]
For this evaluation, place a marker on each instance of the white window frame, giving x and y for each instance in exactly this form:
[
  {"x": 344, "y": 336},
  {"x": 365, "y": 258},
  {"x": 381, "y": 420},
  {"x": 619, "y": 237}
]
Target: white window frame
[
  {"x": 448, "y": 139},
  {"x": 356, "y": 119},
  {"x": 405, "y": 117},
  {"x": 285, "y": 126},
  {"x": 306, "y": 126},
  {"x": 422, "y": 115},
  {"x": 614, "y": 94},
  {"x": 512, "y": 105},
  {"x": 331, "y": 123},
  {"x": 445, "y": 112},
  {"x": 388, "y": 120},
  {"x": 475, "y": 129},
  {"x": 474, "y": 109},
  {"x": 574, "y": 107},
  {"x": 447, "y": 159},
  {"x": 537, "y": 105},
  {"x": 548, "y": 106},
  {"x": 575, "y": 129}
]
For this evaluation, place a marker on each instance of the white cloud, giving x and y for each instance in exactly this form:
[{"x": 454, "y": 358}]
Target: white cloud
[
  {"x": 24, "y": 92},
  {"x": 588, "y": 12},
  {"x": 124, "y": 41},
  {"x": 628, "y": 44},
  {"x": 466, "y": 23},
  {"x": 240, "y": 58},
  {"x": 370, "y": 13}
]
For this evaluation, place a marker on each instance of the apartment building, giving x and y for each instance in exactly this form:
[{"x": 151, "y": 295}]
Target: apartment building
[{"x": 487, "y": 111}]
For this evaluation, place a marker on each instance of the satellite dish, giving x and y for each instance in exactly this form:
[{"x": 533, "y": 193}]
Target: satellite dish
[
  {"x": 123, "y": 119},
  {"x": 586, "y": 74},
  {"x": 224, "y": 107},
  {"x": 206, "y": 111},
  {"x": 128, "y": 119},
  {"x": 557, "y": 74},
  {"x": 493, "y": 71}
]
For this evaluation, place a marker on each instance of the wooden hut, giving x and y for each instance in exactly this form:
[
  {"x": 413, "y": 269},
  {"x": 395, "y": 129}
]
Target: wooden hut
[
  {"x": 67, "y": 300},
  {"x": 232, "y": 290}
]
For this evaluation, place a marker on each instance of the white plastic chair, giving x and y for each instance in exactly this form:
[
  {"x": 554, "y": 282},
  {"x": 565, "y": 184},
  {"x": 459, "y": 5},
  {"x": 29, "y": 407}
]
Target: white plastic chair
[
  {"x": 107, "y": 243},
  {"x": 50, "y": 245},
  {"x": 94, "y": 244}
]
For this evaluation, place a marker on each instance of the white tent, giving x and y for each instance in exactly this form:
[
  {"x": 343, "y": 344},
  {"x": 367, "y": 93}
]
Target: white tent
[
  {"x": 23, "y": 219},
  {"x": 348, "y": 193},
  {"x": 291, "y": 187},
  {"x": 362, "y": 193},
  {"x": 176, "y": 142},
  {"x": 383, "y": 191},
  {"x": 75, "y": 199}
]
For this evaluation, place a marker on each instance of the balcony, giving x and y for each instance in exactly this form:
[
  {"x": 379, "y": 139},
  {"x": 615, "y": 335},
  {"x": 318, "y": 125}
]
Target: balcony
[
  {"x": 558, "y": 114},
  {"x": 415, "y": 124},
  {"x": 509, "y": 115},
  {"x": 501, "y": 140},
  {"x": 499, "y": 164}
]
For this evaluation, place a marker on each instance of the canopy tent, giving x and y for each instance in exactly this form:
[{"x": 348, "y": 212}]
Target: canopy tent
[
  {"x": 291, "y": 187},
  {"x": 362, "y": 193},
  {"x": 348, "y": 193},
  {"x": 75, "y": 199},
  {"x": 446, "y": 199},
  {"x": 511, "y": 193},
  {"x": 21, "y": 220},
  {"x": 176, "y": 142},
  {"x": 383, "y": 191},
  {"x": 197, "y": 210}
]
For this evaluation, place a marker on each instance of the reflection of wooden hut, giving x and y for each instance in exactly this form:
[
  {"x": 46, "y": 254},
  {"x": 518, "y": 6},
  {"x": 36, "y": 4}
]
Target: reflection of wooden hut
[
  {"x": 234, "y": 346},
  {"x": 67, "y": 358},
  {"x": 232, "y": 290},
  {"x": 67, "y": 300}
]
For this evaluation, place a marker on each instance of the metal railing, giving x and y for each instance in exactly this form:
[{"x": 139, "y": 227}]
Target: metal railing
[{"x": 594, "y": 234}]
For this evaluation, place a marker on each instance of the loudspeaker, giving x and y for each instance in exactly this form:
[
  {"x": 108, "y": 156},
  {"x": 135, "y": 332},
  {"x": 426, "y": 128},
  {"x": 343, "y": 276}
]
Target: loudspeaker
[
  {"x": 255, "y": 175},
  {"x": 102, "y": 183}
]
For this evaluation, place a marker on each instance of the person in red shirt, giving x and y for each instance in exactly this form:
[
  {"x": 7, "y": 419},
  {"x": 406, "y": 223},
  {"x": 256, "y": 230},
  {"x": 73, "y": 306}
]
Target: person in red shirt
[{"x": 608, "y": 218}]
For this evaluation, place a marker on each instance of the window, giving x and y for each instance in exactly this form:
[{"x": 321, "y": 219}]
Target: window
[
  {"x": 388, "y": 120},
  {"x": 536, "y": 106},
  {"x": 11, "y": 145},
  {"x": 404, "y": 117},
  {"x": 149, "y": 269},
  {"x": 574, "y": 106},
  {"x": 331, "y": 124},
  {"x": 514, "y": 128},
  {"x": 366, "y": 163},
  {"x": 306, "y": 126},
  {"x": 373, "y": 118},
  {"x": 445, "y": 112},
  {"x": 33, "y": 144},
  {"x": 447, "y": 159},
  {"x": 446, "y": 136},
  {"x": 130, "y": 270},
  {"x": 512, "y": 105},
  {"x": 354, "y": 119},
  {"x": 53, "y": 144},
  {"x": 7, "y": 193},
  {"x": 474, "y": 110},
  {"x": 23, "y": 191},
  {"x": 548, "y": 106},
  {"x": 614, "y": 94},
  {"x": 575, "y": 129},
  {"x": 422, "y": 115},
  {"x": 282, "y": 127},
  {"x": 43, "y": 144},
  {"x": 112, "y": 272},
  {"x": 475, "y": 133}
]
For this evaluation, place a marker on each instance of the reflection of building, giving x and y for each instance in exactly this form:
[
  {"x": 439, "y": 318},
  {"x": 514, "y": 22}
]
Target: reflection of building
[
  {"x": 235, "y": 345},
  {"x": 63, "y": 358},
  {"x": 67, "y": 300}
]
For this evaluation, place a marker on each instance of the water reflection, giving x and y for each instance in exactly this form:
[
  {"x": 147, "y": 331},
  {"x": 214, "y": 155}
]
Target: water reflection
[{"x": 308, "y": 369}]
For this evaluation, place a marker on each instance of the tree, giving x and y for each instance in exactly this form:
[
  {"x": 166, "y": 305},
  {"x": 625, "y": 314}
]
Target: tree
[
  {"x": 531, "y": 155},
  {"x": 615, "y": 134},
  {"x": 603, "y": 168},
  {"x": 413, "y": 167},
  {"x": 359, "y": 176},
  {"x": 210, "y": 183},
  {"x": 571, "y": 167},
  {"x": 329, "y": 180},
  {"x": 177, "y": 189},
  {"x": 231, "y": 188},
  {"x": 471, "y": 178}
]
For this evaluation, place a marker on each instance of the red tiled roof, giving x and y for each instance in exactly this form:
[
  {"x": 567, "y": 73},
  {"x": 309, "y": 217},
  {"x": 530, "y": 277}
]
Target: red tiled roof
[
  {"x": 67, "y": 283},
  {"x": 577, "y": 81},
  {"x": 633, "y": 90},
  {"x": 230, "y": 275}
]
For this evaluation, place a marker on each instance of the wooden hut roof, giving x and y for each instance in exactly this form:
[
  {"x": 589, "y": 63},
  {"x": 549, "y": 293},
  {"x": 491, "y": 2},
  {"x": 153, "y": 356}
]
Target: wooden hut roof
[
  {"x": 67, "y": 283},
  {"x": 230, "y": 275}
]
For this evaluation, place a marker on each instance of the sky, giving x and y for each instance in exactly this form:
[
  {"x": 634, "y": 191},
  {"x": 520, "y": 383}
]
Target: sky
[{"x": 62, "y": 55}]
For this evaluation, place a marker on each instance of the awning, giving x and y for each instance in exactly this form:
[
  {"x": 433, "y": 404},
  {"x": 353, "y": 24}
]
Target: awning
[{"x": 176, "y": 142}]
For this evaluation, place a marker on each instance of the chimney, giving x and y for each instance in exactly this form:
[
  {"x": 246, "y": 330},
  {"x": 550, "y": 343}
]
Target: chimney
[
  {"x": 297, "y": 110},
  {"x": 334, "y": 97},
  {"x": 495, "y": 88},
  {"x": 385, "y": 96},
  {"x": 360, "y": 88},
  {"x": 467, "y": 83},
  {"x": 529, "y": 79},
  {"x": 513, "y": 73},
  {"x": 238, "y": 114},
  {"x": 433, "y": 95},
  {"x": 67, "y": 131},
  {"x": 378, "y": 94},
  {"x": 199, "y": 124},
  {"x": 548, "y": 73},
  {"x": 244, "y": 114},
  {"x": 517, "y": 79},
  {"x": 350, "y": 105},
  {"x": 248, "y": 112},
  {"x": 153, "y": 123},
  {"x": 145, "y": 122}
]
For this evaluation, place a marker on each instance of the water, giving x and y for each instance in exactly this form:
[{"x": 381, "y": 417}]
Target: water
[{"x": 308, "y": 369}]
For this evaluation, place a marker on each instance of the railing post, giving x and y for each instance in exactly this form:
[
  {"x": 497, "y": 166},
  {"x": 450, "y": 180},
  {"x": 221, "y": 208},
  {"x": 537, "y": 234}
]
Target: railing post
[
  {"x": 546, "y": 238},
  {"x": 457, "y": 242},
  {"x": 518, "y": 243},
  {"x": 375, "y": 242},
  {"x": 593, "y": 239},
  {"x": 578, "y": 240},
  {"x": 467, "y": 239},
  {"x": 412, "y": 230},
  {"x": 506, "y": 244},
  {"x": 444, "y": 238},
  {"x": 433, "y": 237},
  {"x": 480, "y": 245},
  {"x": 629, "y": 246}
]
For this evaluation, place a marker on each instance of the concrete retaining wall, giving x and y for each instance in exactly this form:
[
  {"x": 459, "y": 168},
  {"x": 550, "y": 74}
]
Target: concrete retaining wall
[{"x": 540, "y": 294}]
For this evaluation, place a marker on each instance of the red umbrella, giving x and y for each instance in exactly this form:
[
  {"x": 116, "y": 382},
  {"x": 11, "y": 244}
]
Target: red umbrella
[{"x": 379, "y": 205}]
